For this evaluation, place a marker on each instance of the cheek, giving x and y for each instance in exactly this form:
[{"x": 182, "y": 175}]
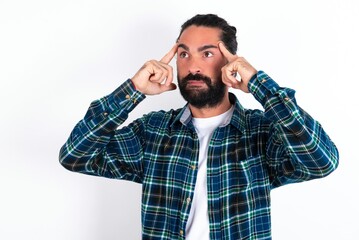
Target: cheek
[
  {"x": 219, "y": 64},
  {"x": 216, "y": 69},
  {"x": 181, "y": 68}
]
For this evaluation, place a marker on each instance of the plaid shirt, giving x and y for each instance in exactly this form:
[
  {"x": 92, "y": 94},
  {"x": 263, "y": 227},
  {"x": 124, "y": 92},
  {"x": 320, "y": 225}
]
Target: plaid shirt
[{"x": 248, "y": 156}]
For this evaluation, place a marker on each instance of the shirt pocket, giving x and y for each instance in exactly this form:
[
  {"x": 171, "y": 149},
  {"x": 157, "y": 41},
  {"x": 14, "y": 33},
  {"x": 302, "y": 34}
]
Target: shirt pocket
[
  {"x": 237, "y": 169},
  {"x": 250, "y": 172},
  {"x": 259, "y": 184}
]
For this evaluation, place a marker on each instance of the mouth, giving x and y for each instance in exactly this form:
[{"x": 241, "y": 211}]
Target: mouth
[{"x": 197, "y": 83}]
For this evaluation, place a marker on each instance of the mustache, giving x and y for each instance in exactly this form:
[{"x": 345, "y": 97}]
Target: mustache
[{"x": 197, "y": 76}]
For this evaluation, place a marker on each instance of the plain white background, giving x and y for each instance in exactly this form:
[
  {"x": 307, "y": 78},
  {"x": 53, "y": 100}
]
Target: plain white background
[{"x": 58, "y": 56}]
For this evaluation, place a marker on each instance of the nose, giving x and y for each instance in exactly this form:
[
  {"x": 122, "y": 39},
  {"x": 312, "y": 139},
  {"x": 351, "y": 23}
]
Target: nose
[{"x": 194, "y": 66}]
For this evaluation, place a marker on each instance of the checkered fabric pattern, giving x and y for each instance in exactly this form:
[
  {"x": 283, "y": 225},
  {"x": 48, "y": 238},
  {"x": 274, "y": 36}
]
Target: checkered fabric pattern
[{"x": 253, "y": 153}]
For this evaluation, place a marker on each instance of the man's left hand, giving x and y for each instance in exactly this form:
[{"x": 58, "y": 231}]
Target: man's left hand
[{"x": 236, "y": 65}]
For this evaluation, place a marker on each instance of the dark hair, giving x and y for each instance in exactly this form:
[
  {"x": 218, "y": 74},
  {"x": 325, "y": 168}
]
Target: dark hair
[{"x": 228, "y": 36}]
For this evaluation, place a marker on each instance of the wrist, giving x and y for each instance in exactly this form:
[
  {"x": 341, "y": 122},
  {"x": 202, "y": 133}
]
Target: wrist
[{"x": 133, "y": 84}]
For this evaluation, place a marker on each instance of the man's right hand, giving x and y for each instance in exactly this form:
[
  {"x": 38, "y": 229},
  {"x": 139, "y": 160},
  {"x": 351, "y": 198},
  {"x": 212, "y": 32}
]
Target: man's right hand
[{"x": 156, "y": 77}]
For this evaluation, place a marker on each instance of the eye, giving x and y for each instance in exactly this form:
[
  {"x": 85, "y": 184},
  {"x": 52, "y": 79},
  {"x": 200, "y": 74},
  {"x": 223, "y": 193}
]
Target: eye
[
  {"x": 207, "y": 54},
  {"x": 183, "y": 54}
]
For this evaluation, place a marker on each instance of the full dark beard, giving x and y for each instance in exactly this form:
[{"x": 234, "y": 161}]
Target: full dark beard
[{"x": 200, "y": 98}]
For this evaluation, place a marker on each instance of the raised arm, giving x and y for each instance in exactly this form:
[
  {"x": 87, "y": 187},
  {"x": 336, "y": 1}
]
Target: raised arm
[
  {"x": 96, "y": 147},
  {"x": 298, "y": 148}
]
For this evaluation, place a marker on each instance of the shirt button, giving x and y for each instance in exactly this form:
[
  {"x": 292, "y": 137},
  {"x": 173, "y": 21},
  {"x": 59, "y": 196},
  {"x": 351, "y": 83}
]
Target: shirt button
[
  {"x": 193, "y": 167},
  {"x": 188, "y": 200},
  {"x": 181, "y": 232},
  {"x": 263, "y": 81},
  {"x": 105, "y": 113},
  {"x": 286, "y": 98},
  {"x": 127, "y": 96}
]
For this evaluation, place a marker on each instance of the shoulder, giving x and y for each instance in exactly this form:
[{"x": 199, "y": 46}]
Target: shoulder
[{"x": 162, "y": 117}]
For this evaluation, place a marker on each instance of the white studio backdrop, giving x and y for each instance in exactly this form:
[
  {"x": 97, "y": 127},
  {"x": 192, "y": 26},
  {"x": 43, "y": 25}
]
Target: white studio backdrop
[{"x": 58, "y": 56}]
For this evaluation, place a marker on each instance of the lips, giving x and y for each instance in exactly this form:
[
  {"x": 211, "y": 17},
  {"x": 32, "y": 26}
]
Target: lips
[{"x": 195, "y": 82}]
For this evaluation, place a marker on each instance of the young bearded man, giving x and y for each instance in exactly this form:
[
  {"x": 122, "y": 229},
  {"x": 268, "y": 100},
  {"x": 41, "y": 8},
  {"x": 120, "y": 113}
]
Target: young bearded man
[{"x": 206, "y": 169}]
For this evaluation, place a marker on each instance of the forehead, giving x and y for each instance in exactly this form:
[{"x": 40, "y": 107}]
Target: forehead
[{"x": 195, "y": 36}]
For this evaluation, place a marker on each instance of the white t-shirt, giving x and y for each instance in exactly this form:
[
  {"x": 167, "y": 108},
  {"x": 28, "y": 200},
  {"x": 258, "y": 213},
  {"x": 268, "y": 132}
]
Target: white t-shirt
[{"x": 198, "y": 223}]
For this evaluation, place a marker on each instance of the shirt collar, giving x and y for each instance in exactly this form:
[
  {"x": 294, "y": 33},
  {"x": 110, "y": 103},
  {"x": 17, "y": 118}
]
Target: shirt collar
[{"x": 237, "y": 120}]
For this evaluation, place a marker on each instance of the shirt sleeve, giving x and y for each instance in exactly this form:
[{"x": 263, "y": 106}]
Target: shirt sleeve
[
  {"x": 298, "y": 149},
  {"x": 89, "y": 148}
]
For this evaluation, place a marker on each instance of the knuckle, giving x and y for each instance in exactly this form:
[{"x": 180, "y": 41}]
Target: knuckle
[{"x": 151, "y": 62}]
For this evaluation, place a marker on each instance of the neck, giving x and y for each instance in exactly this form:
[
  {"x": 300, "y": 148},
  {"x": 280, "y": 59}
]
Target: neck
[{"x": 206, "y": 112}]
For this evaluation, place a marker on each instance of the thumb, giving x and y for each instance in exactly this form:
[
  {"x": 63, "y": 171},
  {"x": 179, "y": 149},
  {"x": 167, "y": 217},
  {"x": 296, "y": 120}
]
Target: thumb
[{"x": 165, "y": 88}]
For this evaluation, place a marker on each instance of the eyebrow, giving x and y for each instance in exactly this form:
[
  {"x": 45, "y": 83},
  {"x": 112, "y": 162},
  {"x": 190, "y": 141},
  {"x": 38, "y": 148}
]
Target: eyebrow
[{"x": 200, "y": 49}]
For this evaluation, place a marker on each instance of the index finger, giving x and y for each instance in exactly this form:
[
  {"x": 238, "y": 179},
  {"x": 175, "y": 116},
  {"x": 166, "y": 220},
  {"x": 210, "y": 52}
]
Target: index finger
[
  {"x": 168, "y": 57},
  {"x": 227, "y": 54}
]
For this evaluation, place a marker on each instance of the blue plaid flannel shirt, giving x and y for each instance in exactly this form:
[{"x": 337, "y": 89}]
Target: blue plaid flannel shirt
[{"x": 255, "y": 152}]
